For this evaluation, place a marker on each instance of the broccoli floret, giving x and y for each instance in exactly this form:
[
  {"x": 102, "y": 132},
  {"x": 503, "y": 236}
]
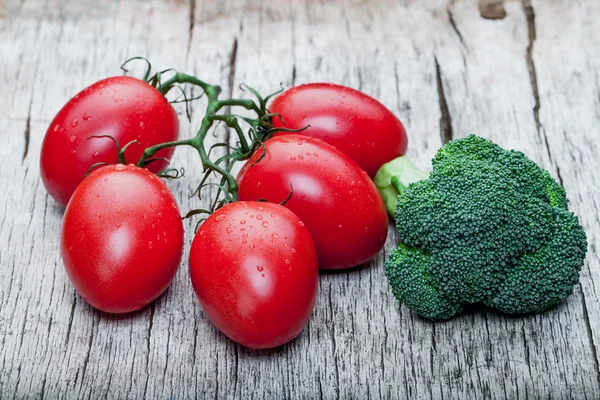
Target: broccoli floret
[
  {"x": 406, "y": 268},
  {"x": 542, "y": 278},
  {"x": 487, "y": 226}
]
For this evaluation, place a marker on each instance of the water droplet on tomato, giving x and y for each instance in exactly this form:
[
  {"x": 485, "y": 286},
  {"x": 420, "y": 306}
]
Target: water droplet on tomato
[
  {"x": 98, "y": 215},
  {"x": 293, "y": 250},
  {"x": 275, "y": 236},
  {"x": 145, "y": 216},
  {"x": 245, "y": 235},
  {"x": 300, "y": 157},
  {"x": 149, "y": 245},
  {"x": 119, "y": 167},
  {"x": 142, "y": 124},
  {"x": 300, "y": 223},
  {"x": 242, "y": 221},
  {"x": 265, "y": 224},
  {"x": 86, "y": 116},
  {"x": 263, "y": 275},
  {"x": 221, "y": 217},
  {"x": 118, "y": 226},
  {"x": 74, "y": 123},
  {"x": 56, "y": 127},
  {"x": 244, "y": 241},
  {"x": 259, "y": 217},
  {"x": 95, "y": 155},
  {"x": 164, "y": 191},
  {"x": 72, "y": 138},
  {"x": 229, "y": 230},
  {"x": 157, "y": 236},
  {"x": 259, "y": 268},
  {"x": 242, "y": 229},
  {"x": 340, "y": 226},
  {"x": 287, "y": 261},
  {"x": 292, "y": 158},
  {"x": 337, "y": 178}
]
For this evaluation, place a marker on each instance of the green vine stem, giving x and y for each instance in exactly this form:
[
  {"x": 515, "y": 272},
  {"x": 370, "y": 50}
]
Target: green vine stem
[{"x": 260, "y": 130}]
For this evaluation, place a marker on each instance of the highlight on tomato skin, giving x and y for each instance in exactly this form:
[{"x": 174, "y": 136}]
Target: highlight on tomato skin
[
  {"x": 254, "y": 268},
  {"x": 122, "y": 107},
  {"x": 335, "y": 198},
  {"x": 121, "y": 238},
  {"x": 351, "y": 121}
]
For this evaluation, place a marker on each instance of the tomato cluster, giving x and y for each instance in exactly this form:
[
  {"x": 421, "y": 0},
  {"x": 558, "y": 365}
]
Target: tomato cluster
[{"x": 254, "y": 262}]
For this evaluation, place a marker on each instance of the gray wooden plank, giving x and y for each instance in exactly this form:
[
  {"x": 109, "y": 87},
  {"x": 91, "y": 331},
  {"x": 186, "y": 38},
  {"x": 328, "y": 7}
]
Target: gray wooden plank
[
  {"x": 491, "y": 92},
  {"x": 567, "y": 60}
]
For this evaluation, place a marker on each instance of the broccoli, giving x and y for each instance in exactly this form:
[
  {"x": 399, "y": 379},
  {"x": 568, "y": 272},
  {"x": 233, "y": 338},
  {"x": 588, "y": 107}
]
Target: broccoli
[{"x": 488, "y": 225}]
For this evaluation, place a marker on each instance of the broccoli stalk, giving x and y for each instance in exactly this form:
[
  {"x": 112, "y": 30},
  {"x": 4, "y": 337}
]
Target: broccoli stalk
[
  {"x": 394, "y": 177},
  {"x": 488, "y": 225}
]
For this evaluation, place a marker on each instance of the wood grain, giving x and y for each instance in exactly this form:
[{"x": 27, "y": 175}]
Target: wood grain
[{"x": 528, "y": 80}]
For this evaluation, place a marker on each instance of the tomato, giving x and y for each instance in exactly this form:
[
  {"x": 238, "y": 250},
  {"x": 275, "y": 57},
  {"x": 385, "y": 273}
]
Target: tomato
[
  {"x": 334, "y": 197},
  {"x": 122, "y": 238},
  {"x": 254, "y": 268},
  {"x": 123, "y": 107},
  {"x": 356, "y": 124}
]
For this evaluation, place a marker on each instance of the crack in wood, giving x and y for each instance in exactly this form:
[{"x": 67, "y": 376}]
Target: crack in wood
[
  {"x": 530, "y": 16},
  {"x": 293, "y": 27},
  {"x": 590, "y": 335},
  {"x": 191, "y": 25},
  {"x": 454, "y": 26},
  {"x": 71, "y": 316},
  {"x": 230, "y": 81},
  {"x": 445, "y": 118},
  {"x": 334, "y": 346},
  {"x": 27, "y": 130},
  {"x": 86, "y": 361},
  {"x": 150, "y": 324}
]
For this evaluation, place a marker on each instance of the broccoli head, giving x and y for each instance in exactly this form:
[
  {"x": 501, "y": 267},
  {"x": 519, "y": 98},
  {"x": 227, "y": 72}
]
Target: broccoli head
[{"x": 488, "y": 225}]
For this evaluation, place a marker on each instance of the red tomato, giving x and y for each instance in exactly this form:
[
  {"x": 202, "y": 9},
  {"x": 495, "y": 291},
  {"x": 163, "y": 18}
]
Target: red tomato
[
  {"x": 122, "y": 238},
  {"x": 122, "y": 107},
  {"x": 331, "y": 194},
  {"x": 354, "y": 123},
  {"x": 254, "y": 268}
]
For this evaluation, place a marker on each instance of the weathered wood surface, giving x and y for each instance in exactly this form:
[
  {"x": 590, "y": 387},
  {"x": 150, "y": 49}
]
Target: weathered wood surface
[{"x": 525, "y": 76}]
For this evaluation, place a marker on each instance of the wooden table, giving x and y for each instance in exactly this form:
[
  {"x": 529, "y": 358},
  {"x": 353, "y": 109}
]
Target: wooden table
[{"x": 525, "y": 75}]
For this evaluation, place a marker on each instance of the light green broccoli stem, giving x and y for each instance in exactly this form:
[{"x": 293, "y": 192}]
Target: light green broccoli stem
[{"x": 394, "y": 177}]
